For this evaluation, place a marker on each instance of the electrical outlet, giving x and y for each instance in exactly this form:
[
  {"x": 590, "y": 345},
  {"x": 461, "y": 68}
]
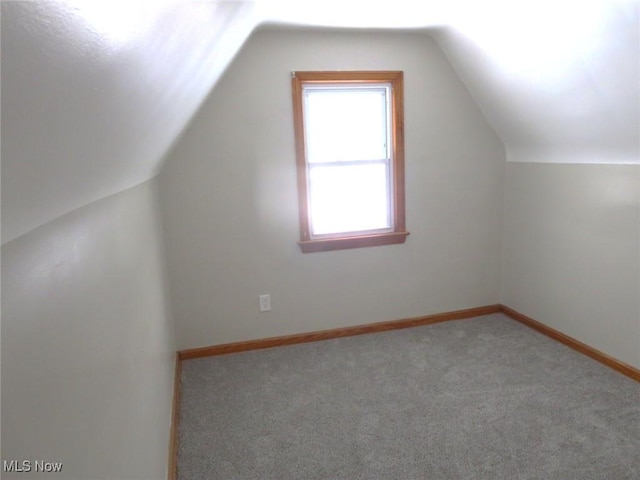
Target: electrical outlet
[{"x": 265, "y": 303}]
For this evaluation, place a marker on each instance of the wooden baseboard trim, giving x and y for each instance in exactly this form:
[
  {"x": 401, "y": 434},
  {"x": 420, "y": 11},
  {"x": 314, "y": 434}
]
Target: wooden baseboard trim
[
  {"x": 571, "y": 342},
  {"x": 175, "y": 412},
  {"x": 335, "y": 333}
]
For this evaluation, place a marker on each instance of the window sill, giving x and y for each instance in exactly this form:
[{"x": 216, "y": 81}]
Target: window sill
[{"x": 327, "y": 244}]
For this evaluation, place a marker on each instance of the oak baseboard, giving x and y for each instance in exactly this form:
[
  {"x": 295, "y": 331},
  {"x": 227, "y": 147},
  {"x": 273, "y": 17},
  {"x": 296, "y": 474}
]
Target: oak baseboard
[
  {"x": 335, "y": 333},
  {"x": 571, "y": 342}
]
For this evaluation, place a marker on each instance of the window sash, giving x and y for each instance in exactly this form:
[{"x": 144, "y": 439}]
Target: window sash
[
  {"x": 316, "y": 113},
  {"x": 357, "y": 128},
  {"x": 385, "y": 211}
]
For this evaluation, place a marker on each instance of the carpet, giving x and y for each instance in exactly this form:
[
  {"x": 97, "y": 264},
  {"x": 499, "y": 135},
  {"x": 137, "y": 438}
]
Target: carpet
[{"x": 483, "y": 398}]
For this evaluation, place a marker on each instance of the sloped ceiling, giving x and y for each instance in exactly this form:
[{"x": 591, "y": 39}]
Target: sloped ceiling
[{"x": 95, "y": 93}]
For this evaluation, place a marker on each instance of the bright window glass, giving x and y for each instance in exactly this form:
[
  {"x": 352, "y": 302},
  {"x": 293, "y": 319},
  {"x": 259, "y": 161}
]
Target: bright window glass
[
  {"x": 346, "y": 124},
  {"x": 349, "y": 198},
  {"x": 347, "y": 150}
]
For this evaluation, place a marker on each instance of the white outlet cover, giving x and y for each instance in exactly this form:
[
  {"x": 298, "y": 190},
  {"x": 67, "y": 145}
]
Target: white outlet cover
[{"x": 265, "y": 303}]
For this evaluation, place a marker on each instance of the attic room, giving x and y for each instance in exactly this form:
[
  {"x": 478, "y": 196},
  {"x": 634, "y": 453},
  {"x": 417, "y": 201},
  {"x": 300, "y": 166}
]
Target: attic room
[{"x": 150, "y": 202}]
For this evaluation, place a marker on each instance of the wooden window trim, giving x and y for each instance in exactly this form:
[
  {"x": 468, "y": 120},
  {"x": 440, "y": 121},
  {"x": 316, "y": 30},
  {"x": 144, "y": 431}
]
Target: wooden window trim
[{"x": 398, "y": 234}]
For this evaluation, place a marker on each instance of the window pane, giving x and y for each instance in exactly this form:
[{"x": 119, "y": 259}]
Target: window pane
[
  {"x": 349, "y": 198},
  {"x": 346, "y": 124}
]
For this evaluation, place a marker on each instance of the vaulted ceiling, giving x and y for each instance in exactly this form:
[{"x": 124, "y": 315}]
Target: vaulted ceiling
[{"x": 95, "y": 93}]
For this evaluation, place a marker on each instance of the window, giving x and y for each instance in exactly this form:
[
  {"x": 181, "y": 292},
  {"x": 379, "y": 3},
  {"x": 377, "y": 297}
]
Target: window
[{"x": 350, "y": 159}]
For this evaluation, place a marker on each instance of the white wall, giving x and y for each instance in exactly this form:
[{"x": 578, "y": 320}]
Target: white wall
[
  {"x": 87, "y": 342},
  {"x": 571, "y": 255},
  {"x": 122, "y": 79},
  {"x": 228, "y": 194},
  {"x": 558, "y": 80}
]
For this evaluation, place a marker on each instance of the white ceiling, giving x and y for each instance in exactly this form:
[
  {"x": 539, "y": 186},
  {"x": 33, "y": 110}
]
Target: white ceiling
[{"x": 95, "y": 92}]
